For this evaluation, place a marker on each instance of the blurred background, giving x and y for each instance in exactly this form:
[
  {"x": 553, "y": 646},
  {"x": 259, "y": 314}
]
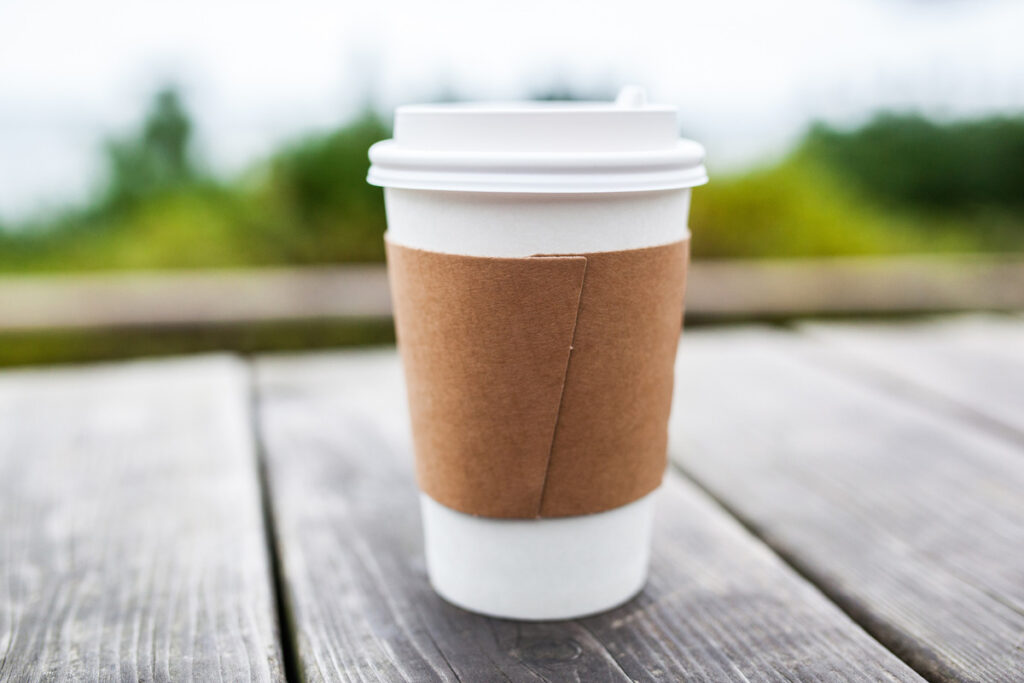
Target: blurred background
[{"x": 190, "y": 175}]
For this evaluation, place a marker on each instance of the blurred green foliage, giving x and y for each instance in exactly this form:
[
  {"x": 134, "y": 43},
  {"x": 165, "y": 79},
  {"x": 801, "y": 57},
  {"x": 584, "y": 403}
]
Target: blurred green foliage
[
  {"x": 315, "y": 199},
  {"x": 800, "y": 208},
  {"x": 309, "y": 203},
  {"x": 156, "y": 159},
  {"x": 910, "y": 160},
  {"x": 899, "y": 184}
]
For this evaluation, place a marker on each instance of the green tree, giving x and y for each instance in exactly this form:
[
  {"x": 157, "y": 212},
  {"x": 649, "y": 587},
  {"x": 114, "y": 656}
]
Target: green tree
[
  {"x": 316, "y": 198},
  {"x": 155, "y": 158}
]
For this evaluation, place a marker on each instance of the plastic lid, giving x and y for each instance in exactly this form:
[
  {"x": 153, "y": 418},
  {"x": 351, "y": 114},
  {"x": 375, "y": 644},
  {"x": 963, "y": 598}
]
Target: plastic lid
[{"x": 624, "y": 146}]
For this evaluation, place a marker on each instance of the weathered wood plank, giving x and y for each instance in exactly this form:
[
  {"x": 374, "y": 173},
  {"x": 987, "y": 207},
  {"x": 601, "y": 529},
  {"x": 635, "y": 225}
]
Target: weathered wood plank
[
  {"x": 719, "y": 606},
  {"x": 974, "y": 363},
  {"x": 911, "y": 521},
  {"x": 718, "y": 289},
  {"x": 177, "y": 299},
  {"x": 132, "y": 545},
  {"x": 788, "y": 288}
]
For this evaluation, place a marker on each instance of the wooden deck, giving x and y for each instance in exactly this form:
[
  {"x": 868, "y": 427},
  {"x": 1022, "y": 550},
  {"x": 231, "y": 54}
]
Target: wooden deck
[{"x": 846, "y": 503}]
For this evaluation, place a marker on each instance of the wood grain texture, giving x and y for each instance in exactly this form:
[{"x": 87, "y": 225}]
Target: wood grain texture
[
  {"x": 131, "y": 539},
  {"x": 975, "y": 363},
  {"x": 719, "y": 606},
  {"x": 912, "y": 521}
]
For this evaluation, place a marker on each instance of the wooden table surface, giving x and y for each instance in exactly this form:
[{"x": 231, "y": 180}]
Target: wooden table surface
[{"x": 846, "y": 502}]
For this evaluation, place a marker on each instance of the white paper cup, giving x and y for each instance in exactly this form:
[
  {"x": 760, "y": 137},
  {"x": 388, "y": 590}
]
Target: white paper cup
[{"x": 516, "y": 181}]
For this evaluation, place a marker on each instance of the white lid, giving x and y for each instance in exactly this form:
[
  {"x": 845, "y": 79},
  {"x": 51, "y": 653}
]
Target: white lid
[{"x": 627, "y": 145}]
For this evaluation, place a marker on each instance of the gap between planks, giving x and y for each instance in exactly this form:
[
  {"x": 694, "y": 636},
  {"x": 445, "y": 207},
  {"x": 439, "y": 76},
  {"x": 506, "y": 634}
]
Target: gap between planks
[{"x": 282, "y": 611}]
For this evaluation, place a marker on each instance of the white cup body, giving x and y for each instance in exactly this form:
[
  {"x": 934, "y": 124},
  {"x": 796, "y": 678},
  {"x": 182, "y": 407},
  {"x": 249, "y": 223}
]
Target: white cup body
[
  {"x": 540, "y": 569},
  {"x": 514, "y": 225}
]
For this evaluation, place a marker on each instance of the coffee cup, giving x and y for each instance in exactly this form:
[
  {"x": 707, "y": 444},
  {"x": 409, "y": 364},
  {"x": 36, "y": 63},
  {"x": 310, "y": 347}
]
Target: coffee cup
[{"x": 537, "y": 256}]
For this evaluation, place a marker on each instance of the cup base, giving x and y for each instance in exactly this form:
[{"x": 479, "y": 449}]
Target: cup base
[{"x": 538, "y": 570}]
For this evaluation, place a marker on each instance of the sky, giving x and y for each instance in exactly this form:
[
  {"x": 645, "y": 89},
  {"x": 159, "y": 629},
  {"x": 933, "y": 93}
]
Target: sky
[{"x": 748, "y": 76}]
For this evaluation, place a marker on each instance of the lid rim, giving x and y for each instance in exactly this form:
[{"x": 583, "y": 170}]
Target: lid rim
[
  {"x": 552, "y": 183},
  {"x": 474, "y": 171},
  {"x": 685, "y": 153}
]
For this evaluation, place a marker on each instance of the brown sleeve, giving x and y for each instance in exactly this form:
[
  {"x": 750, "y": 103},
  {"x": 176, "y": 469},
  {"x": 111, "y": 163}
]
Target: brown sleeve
[{"x": 541, "y": 386}]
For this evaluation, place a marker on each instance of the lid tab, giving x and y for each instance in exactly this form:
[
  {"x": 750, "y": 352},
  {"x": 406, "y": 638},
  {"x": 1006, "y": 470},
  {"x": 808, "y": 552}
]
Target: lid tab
[{"x": 631, "y": 96}]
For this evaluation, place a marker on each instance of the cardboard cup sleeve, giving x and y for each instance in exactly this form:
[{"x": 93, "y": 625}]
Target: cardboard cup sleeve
[{"x": 539, "y": 386}]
